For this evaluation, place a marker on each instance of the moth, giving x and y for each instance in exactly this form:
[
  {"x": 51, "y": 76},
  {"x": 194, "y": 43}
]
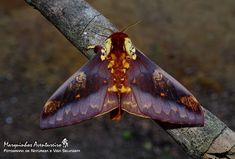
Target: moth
[{"x": 118, "y": 79}]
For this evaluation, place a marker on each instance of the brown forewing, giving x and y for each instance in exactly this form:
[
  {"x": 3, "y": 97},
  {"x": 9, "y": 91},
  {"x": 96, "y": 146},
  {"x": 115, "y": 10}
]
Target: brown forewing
[
  {"x": 83, "y": 96},
  {"x": 159, "y": 96}
]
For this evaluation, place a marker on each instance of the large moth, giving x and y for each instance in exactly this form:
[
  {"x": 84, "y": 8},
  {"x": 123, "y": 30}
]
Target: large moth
[{"x": 118, "y": 79}]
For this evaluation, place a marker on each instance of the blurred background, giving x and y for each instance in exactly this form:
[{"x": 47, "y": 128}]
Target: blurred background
[{"x": 194, "y": 41}]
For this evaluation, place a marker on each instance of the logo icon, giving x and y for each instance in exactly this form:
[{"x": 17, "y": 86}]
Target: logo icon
[{"x": 65, "y": 143}]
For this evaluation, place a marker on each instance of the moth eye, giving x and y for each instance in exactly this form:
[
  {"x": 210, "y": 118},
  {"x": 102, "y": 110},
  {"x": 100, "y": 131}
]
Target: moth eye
[
  {"x": 106, "y": 50},
  {"x": 130, "y": 49}
]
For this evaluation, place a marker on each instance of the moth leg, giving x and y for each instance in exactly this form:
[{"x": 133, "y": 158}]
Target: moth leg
[{"x": 96, "y": 48}]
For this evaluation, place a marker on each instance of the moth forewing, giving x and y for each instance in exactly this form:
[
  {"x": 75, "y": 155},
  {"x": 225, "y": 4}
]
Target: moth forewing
[
  {"x": 82, "y": 97},
  {"x": 120, "y": 78},
  {"x": 160, "y": 96}
]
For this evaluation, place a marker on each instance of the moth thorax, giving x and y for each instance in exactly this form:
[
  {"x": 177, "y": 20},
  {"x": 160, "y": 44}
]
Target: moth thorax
[{"x": 118, "y": 67}]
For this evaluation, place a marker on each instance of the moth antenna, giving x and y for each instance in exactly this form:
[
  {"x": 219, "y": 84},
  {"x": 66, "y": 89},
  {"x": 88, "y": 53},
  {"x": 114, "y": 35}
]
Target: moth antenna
[
  {"x": 100, "y": 34},
  {"x": 108, "y": 29},
  {"x": 131, "y": 25}
]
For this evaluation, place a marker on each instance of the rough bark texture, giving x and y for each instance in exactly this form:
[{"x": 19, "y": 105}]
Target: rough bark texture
[
  {"x": 79, "y": 22},
  {"x": 76, "y": 19}
]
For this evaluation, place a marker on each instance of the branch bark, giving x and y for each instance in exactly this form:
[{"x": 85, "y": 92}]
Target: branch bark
[{"x": 78, "y": 21}]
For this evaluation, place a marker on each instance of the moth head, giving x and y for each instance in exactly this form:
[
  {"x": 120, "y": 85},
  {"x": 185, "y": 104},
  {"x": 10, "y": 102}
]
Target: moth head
[
  {"x": 106, "y": 49},
  {"x": 130, "y": 49}
]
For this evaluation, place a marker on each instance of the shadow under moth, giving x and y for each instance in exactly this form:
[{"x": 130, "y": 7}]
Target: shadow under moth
[{"x": 118, "y": 79}]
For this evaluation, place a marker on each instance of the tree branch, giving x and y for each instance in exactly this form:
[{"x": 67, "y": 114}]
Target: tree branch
[{"x": 78, "y": 21}]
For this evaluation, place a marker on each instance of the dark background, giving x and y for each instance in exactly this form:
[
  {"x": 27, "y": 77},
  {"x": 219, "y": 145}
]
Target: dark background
[{"x": 192, "y": 40}]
